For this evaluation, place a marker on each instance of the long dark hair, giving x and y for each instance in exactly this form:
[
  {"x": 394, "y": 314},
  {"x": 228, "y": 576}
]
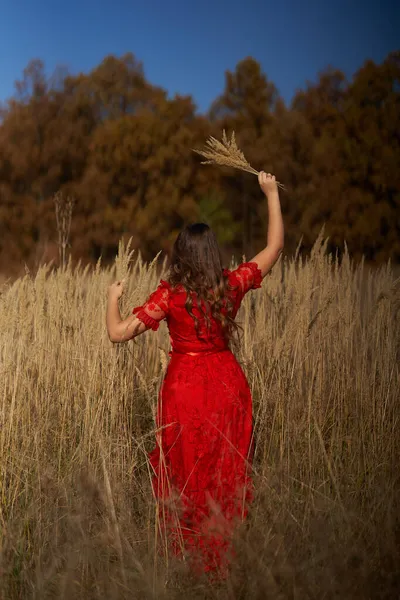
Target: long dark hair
[{"x": 196, "y": 264}]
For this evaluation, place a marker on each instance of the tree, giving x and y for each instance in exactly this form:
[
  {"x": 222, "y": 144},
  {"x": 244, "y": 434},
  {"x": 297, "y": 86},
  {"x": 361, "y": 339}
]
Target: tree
[
  {"x": 141, "y": 180},
  {"x": 122, "y": 149},
  {"x": 355, "y": 159},
  {"x": 246, "y": 106}
]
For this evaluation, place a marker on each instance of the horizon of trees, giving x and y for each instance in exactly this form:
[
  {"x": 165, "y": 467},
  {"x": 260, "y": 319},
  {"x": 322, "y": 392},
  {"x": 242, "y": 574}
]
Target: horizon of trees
[{"x": 122, "y": 148}]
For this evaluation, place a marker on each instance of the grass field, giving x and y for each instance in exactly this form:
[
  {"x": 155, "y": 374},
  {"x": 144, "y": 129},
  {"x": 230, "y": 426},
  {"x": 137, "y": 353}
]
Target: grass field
[{"x": 321, "y": 349}]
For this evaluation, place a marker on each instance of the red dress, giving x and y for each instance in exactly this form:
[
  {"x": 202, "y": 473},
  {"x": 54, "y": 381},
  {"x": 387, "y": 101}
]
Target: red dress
[{"x": 202, "y": 459}]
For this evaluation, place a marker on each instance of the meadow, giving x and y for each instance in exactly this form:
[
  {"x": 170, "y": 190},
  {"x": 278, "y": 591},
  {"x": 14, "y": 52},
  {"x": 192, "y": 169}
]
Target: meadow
[{"x": 320, "y": 347}]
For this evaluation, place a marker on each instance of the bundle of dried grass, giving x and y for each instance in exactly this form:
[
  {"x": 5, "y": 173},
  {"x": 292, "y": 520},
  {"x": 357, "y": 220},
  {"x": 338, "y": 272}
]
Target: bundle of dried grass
[{"x": 226, "y": 154}]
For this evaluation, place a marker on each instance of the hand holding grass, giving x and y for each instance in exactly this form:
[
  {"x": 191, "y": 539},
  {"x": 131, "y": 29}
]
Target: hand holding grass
[
  {"x": 116, "y": 290},
  {"x": 268, "y": 183}
]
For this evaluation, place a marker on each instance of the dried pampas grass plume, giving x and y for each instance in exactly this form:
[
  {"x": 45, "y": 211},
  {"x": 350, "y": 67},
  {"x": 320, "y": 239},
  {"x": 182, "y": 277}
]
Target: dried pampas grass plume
[{"x": 226, "y": 154}]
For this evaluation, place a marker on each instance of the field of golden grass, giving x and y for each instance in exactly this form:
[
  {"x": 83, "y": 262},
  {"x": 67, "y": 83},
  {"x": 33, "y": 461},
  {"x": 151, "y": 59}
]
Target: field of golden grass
[{"x": 321, "y": 349}]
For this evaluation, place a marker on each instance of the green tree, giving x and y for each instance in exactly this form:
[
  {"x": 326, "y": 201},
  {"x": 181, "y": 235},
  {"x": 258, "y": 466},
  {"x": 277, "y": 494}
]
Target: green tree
[{"x": 212, "y": 210}]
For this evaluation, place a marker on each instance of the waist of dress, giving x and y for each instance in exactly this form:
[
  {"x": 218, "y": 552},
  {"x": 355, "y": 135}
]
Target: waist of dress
[{"x": 201, "y": 353}]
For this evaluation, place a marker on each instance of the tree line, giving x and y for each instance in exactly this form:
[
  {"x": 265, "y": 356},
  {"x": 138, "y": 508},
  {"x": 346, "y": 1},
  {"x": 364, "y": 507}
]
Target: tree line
[{"x": 122, "y": 149}]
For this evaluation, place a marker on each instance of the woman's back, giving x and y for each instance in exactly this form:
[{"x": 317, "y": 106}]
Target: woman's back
[{"x": 169, "y": 303}]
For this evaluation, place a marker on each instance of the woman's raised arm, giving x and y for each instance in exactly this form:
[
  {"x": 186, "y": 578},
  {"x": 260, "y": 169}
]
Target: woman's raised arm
[{"x": 275, "y": 235}]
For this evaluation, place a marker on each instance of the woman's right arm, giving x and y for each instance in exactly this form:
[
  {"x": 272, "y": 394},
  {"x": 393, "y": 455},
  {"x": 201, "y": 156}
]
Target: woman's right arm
[{"x": 266, "y": 259}]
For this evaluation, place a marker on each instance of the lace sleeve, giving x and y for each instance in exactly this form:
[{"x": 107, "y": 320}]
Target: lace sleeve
[
  {"x": 155, "y": 309},
  {"x": 247, "y": 277}
]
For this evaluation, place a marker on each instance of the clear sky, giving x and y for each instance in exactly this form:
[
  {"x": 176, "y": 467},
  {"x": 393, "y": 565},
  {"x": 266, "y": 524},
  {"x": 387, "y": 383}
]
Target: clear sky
[{"x": 186, "y": 45}]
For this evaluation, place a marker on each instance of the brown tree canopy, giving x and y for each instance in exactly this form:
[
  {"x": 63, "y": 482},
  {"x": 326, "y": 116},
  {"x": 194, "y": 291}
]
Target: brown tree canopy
[{"x": 122, "y": 148}]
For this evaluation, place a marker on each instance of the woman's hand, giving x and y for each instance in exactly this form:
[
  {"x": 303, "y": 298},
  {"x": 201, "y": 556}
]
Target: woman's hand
[
  {"x": 267, "y": 183},
  {"x": 116, "y": 290}
]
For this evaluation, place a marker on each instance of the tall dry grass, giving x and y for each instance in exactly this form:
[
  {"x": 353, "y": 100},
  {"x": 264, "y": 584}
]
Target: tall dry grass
[{"x": 321, "y": 348}]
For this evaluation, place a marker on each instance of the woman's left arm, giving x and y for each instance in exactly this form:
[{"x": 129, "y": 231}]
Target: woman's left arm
[{"x": 121, "y": 330}]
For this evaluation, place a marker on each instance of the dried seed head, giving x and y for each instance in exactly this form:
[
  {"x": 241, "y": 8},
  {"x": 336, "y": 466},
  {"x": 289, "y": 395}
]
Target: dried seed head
[{"x": 226, "y": 154}]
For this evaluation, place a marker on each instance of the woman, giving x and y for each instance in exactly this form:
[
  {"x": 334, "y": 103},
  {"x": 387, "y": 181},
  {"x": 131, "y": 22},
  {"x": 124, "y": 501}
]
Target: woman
[{"x": 203, "y": 454}]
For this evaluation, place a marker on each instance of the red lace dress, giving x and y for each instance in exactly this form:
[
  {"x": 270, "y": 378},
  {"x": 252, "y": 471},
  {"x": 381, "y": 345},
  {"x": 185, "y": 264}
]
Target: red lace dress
[{"x": 202, "y": 459}]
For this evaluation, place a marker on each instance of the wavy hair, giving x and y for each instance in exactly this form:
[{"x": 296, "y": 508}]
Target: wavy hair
[{"x": 196, "y": 264}]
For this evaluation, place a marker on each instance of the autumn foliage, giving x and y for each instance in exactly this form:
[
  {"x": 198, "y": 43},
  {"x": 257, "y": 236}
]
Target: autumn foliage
[{"x": 122, "y": 149}]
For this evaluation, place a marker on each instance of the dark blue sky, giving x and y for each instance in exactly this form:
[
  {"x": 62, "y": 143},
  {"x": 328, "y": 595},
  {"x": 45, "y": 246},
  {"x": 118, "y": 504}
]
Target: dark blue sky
[{"x": 186, "y": 45}]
